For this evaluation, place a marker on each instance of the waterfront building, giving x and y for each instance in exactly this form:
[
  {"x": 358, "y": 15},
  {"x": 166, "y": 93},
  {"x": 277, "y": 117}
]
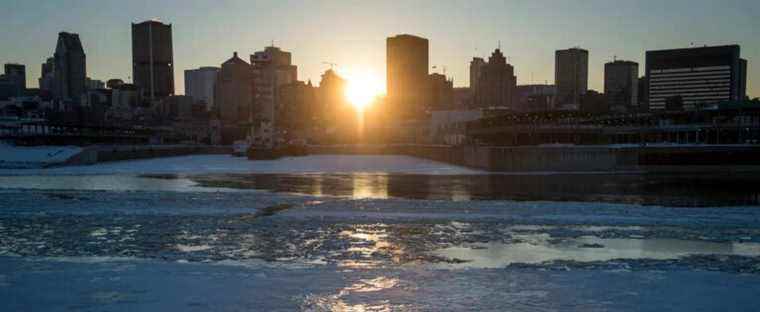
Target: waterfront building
[
  {"x": 441, "y": 92},
  {"x": 272, "y": 68},
  {"x": 692, "y": 77},
  {"x": 70, "y": 68}
]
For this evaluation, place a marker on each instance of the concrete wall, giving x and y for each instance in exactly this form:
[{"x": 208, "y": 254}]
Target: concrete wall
[
  {"x": 98, "y": 154},
  {"x": 572, "y": 158}
]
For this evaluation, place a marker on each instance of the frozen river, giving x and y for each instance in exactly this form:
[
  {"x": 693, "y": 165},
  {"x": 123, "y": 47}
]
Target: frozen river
[{"x": 372, "y": 233}]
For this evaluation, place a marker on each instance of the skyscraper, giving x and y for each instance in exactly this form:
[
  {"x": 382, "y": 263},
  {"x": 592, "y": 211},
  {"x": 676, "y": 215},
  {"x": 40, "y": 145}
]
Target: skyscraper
[
  {"x": 686, "y": 78},
  {"x": 571, "y": 76},
  {"x": 272, "y": 68},
  {"x": 476, "y": 68},
  {"x": 47, "y": 79},
  {"x": 153, "y": 59},
  {"x": 407, "y": 75},
  {"x": 16, "y": 74},
  {"x": 70, "y": 68},
  {"x": 496, "y": 84},
  {"x": 200, "y": 84},
  {"x": 621, "y": 85}
]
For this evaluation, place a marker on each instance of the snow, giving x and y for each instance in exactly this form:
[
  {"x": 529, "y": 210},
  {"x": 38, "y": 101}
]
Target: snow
[
  {"x": 36, "y": 156},
  {"x": 207, "y": 164}
]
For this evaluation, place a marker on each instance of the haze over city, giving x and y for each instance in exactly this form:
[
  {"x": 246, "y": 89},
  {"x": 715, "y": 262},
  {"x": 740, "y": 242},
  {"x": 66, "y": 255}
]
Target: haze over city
[{"x": 352, "y": 33}]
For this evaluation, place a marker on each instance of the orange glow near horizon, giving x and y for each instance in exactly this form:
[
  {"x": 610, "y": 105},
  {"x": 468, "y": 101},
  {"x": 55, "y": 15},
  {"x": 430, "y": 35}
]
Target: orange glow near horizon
[{"x": 362, "y": 88}]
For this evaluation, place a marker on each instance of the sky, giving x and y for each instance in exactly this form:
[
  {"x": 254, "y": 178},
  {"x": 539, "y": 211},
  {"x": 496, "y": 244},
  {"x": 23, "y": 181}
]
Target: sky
[{"x": 352, "y": 33}]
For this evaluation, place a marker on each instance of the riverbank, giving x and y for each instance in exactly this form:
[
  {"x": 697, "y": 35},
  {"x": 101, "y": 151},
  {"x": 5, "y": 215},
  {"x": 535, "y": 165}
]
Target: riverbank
[{"x": 21, "y": 157}]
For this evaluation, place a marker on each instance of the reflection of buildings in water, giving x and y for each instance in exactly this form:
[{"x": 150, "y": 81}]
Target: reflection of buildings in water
[{"x": 370, "y": 185}]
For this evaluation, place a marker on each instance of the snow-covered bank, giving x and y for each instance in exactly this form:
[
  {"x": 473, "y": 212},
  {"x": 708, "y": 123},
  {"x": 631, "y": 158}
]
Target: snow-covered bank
[
  {"x": 205, "y": 164},
  {"x": 20, "y": 157}
]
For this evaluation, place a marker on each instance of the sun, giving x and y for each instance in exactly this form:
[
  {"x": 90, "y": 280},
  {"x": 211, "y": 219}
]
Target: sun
[{"x": 362, "y": 88}]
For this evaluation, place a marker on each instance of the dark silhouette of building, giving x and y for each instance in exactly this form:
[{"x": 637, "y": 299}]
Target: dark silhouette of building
[
  {"x": 462, "y": 98},
  {"x": 692, "y": 77},
  {"x": 234, "y": 91},
  {"x": 47, "y": 78},
  {"x": 571, "y": 77},
  {"x": 496, "y": 84},
  {"x": 114, "y": 83},
  {"x": 621, "y": 85},
  {"x": 16, "y": 74},
  {"x": 643, "y": 94},
  {"x": 407, "y": 76},
  {"x": 70, "y": 68},
  {"x": 153, "y": 59},
  {"x": 297, "y": 112},
  {"x": 272, "y": 68},
  {"x": 200, "y": 84},
  {"x": 534, "y": 98},
  {"x": 476, "y": 67},
  {"x": 441, "y": 92},
  {"x": 233, "y": 98}
]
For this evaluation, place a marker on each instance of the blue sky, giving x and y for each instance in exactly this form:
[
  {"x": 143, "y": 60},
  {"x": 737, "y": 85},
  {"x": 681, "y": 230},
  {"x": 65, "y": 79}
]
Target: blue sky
[{"x": 352, "y": 33}]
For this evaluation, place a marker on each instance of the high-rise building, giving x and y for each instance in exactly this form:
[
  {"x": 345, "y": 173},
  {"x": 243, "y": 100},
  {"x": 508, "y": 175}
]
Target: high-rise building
[
  {"x": 496, "y": 84},
  {"x": 200, "y": 84},
  {"x": 272, "y": 68},
  {"x": 621, "y": 85},
  {"x": 16, "y": 74},
  {"x": 153, "y": 59},
  {"x": 47, "y": 79},
  {"x": 688, "y": 78},
  {"x": 407, "y": 75},
  {"x": 476, "y": 67},
  {"x": 70, "y": 68},
  {"x": 571, "y": 77}
]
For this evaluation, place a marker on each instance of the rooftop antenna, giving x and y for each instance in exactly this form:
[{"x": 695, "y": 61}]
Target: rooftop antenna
[{"x": 499, "y": 44}]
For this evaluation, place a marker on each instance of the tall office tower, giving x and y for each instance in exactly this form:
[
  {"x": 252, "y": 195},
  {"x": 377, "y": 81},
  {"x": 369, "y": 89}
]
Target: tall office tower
[
  {"x": 476, "y": 68},
  {"x": 200, "y": 84},
  {"x": 621, "y": 85},
  {"x": 497, "y": 83},
  {"x": 272, "y": 68},
  {"x": 407, "y": 76},
  {"x": 689, "y": 78},
  {"x": 16, "y": 74},
  {"x": 571, "y": 77},
  {"x": 153, "y": 59},
  {"x": 70, "y": 68},
  {"x": 47, "y": 73}
]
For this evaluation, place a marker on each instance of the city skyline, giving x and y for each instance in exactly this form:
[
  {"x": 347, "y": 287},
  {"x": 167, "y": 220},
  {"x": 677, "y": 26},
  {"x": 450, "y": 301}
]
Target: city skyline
[{"x": 472, "y": 29}]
